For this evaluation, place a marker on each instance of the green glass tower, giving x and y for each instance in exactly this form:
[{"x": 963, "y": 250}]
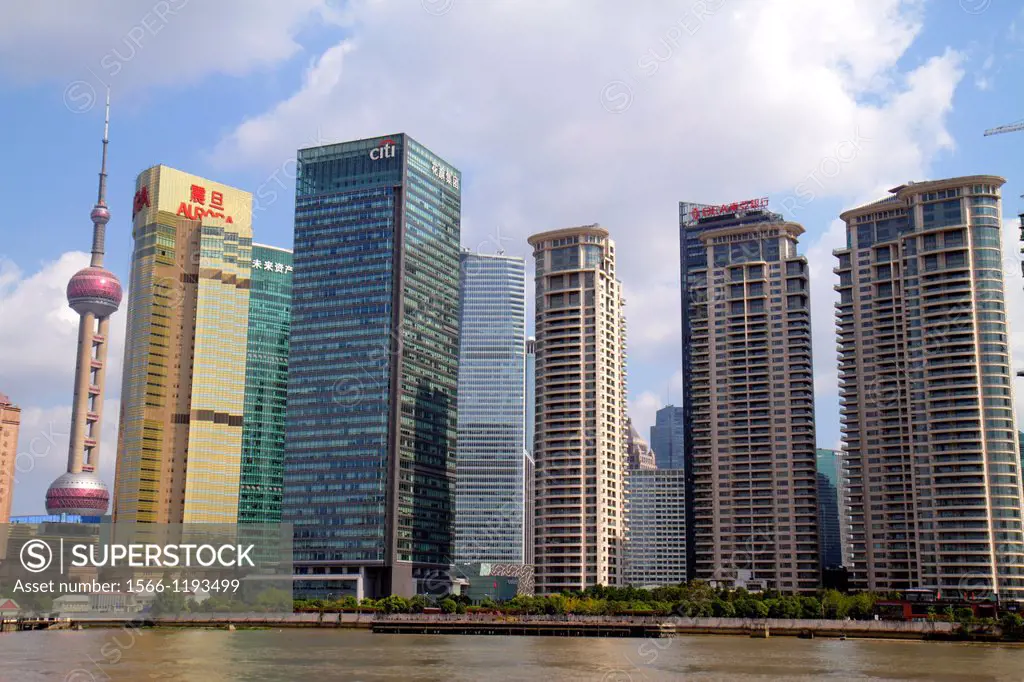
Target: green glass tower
[{"x": 266, "y": 386}]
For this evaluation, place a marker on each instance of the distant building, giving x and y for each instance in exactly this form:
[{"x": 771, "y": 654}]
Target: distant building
[
  {"x": 531, "y": 390},
  {"x": 492, "y": 465},
  {"x": 10, "y": 422},
  {"x": 830, "y": 539},
  {"x": 497, "y": 582},
  {"x": 266, "y": 386},
  {"x": 667, "y": 437},
  {"x": 58, "y": 518},
  {"x": 530, "y": 462},
  {"x": 656, "y": 546},
  {"x": 638, "y": 451}
]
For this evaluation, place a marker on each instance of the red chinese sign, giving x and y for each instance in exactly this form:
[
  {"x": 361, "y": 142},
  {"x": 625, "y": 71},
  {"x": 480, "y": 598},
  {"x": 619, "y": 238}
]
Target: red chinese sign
[
  {"x": 726, "y": 209},
  {"x": 198, "y": 195},
  {"x": 141, "y": 200}
]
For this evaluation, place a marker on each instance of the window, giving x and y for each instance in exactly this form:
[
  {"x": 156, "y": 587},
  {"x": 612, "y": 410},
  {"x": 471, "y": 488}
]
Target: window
[
  {"x": 721, "y": 255},
  {"x": 566, "y": 258},
  {"x": 865, "y": 235}
]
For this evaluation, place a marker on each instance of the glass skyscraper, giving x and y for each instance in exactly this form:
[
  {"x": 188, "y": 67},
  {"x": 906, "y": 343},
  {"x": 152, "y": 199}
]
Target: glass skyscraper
[
  {"x": 667, "y": 437},
  {"x": 830, "y": 505},
  {"x": 491, "y": 474},
  {"x": 266, "y": 386},
  {"x": 373, "y": 368}
]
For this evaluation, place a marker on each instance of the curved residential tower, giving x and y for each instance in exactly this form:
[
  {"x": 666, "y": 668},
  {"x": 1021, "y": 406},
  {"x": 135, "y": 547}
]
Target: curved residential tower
[{"x": 95, "y": 294}]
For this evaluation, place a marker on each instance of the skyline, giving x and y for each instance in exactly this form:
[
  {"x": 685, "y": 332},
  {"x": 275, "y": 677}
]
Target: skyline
[{"x": 32, "y": 273}]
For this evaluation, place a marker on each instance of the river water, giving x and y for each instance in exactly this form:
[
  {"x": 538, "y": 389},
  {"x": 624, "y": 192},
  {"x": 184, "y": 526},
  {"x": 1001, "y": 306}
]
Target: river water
[{"x": 286, "y": 655}]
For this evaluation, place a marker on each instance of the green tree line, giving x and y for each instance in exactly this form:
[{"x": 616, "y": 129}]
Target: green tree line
[{"x": 694, "y": 599}]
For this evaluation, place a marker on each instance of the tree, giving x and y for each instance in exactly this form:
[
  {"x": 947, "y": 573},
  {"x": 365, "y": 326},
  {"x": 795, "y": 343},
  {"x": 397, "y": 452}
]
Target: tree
[
  {"x": 273, "y": 599},
  {"x": 834, "y": 604},
  {"x": 393, "y": 604},
  {"x": 964, "y": 615},
  {"x": 810, "y": 607},
  {"x": 1012, "y": 625},
  {"x": 168, "y": 603},
  {"x": 420, "y": 602},
  {"x": 449, "y": 606},
  {"x": 862, "y": 606}
]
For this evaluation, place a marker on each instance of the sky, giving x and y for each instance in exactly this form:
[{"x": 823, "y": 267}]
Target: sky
[{"x": 557, "y": 113}]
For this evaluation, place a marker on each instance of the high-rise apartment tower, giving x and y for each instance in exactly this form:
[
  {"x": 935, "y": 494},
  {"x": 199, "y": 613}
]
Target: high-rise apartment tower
[
  {"x": 581, "y": 429},
  {"x": 749, "y": 388},
  {"x": 926, "y": 393}
]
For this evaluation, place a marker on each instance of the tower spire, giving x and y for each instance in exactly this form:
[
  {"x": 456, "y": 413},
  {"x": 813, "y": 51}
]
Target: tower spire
[
  {"x": 102, "y": 197},
  {"x": 100, "y": 213}
]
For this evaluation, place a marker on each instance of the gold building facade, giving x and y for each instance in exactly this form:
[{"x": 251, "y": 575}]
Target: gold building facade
[{"x": 180, "y": 434}]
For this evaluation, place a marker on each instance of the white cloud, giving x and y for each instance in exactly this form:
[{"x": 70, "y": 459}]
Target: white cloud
[
  {"x": 40, "y": 332},
  {"x": 133, "y": 43},
  {"x": 38, "y": 341},
  {"x": 521, "y": 101},
  {"x": 823, "y": 300}
]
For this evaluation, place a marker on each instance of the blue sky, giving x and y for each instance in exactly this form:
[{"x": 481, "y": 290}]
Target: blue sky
[{"x": 556, "y": 113}]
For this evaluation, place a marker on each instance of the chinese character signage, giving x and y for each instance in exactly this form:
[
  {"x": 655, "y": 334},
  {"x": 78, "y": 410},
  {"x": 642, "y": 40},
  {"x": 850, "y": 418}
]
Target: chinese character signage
[
  {"x": 699, "y": 212},
  {"x": 198, "y": 208},
  {"x": 270, "y": 266},
  {"x": 445, "y": 175}
]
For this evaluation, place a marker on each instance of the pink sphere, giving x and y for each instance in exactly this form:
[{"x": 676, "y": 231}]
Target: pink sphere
[
  {"x": 100, "y": 214},
  {"x": 94, "y": 290},
  {"x": 84, "y": 494}
]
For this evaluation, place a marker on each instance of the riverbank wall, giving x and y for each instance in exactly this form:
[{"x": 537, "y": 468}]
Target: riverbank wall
[
  {"x": 553, "y": 626},
  {"x": 597, "y": 626}
]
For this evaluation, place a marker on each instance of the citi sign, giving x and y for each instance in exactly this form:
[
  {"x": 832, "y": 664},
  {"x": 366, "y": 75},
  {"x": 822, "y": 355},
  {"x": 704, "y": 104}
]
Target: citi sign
[{"x": 385, "y": 150}]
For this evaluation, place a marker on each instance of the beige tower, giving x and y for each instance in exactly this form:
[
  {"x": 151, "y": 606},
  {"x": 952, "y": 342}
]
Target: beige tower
[
  {"x": 932, "y": 462},
  {"x": 755, "y": 488},
  {"x": 581, "y": 425},
  {"x": 179, "y": 444},
  {"x": 10, "y": 422}
]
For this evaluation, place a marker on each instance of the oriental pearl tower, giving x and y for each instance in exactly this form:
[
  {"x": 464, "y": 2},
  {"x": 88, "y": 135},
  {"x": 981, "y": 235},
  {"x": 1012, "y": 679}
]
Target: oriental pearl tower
[{"x": 95, "y": 294}]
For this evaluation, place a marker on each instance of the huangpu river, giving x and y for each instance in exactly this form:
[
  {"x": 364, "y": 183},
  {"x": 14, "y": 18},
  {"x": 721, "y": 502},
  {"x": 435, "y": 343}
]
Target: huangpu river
[{"x": 287, "y": 655}]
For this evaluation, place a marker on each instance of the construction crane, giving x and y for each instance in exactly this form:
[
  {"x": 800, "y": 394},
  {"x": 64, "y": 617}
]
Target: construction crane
[{"x": 1013, "y": 127}]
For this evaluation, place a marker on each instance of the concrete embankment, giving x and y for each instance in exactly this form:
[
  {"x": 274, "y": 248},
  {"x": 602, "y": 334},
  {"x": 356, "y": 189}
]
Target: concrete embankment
[
  {"x": 658, "y": 627},
  {"x": 568, "y": 626}
]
